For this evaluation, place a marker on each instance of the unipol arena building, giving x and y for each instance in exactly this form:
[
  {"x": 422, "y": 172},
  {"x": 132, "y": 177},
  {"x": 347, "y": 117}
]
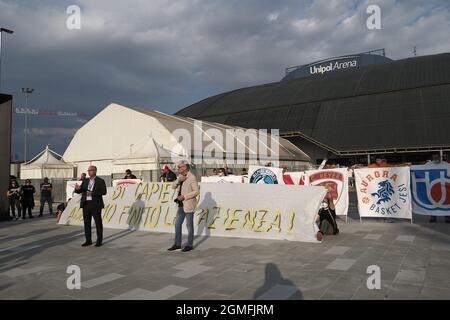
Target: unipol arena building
[{"x": 348, "y": 109}]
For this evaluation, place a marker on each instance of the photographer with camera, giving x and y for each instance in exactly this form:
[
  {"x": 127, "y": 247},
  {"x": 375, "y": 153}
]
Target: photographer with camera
[
  {"x": 13, "y": 195},
  {"x": 187, "y": 201}
]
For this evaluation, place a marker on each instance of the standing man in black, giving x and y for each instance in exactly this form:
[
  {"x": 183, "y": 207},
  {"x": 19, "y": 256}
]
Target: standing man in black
[
  {"x": 46, "y": 196},
  {"x": 92, "y": 190},
  {"x": 27, "y": 198}
]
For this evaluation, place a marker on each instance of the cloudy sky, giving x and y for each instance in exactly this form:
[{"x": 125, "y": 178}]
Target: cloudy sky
[{"x": 168, "y": 54}]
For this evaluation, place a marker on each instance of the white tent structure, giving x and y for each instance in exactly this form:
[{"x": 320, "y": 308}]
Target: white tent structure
[
  {"x": 120, "y": 138},
  {"x": 48, "y": 164}
]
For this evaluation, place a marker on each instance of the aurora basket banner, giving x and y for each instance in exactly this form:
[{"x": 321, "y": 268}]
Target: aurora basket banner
[{"x": 384, "y": 192}]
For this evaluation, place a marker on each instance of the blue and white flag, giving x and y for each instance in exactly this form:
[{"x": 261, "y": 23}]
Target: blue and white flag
[{"x": 430, "y": 186}]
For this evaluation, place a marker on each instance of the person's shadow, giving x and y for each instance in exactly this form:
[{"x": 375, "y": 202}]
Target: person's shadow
[
  {"x": 136, "y": 210},
  {"x": 207, "y": 203},
  {"x": 275, "y": 287},
  {"x": 134, "y": 221}
]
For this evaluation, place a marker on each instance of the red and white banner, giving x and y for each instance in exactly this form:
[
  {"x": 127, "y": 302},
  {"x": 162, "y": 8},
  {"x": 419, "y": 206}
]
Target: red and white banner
[
  {"x": 296, "y": 178},
  {"x": 337, "y": 180},
  {"x": 124, "y": 182}
]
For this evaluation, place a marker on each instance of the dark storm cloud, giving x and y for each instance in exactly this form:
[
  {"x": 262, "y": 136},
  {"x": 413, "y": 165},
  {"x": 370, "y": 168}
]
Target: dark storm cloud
[{"x": 166, "y": 54}]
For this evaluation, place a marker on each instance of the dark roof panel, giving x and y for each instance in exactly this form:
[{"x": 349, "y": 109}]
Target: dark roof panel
[{"x": 400, "y": 104}]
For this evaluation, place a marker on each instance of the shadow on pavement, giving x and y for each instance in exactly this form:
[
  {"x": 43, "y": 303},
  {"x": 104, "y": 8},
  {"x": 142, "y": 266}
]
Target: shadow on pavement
[
  {"x": 275, "y": 287},
  {"x": 29, "y": 234},
  {"x": 40, "y": 246}
]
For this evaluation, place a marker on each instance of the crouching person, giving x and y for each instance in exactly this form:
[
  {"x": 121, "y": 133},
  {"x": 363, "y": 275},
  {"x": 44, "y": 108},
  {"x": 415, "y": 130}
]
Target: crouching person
[
  {"x": 187, "y": 192},
  {"x": 327, "y": 217}
]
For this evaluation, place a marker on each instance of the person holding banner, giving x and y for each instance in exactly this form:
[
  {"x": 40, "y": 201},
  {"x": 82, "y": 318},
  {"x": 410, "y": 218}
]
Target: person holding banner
[
  {"x": 327, "y": 216},
  {"x": 129, "y": 175},
  {"x": 188, "y": 190},
  {"x": 92, "y": 191},
  {"x": 379, "y": 163}
]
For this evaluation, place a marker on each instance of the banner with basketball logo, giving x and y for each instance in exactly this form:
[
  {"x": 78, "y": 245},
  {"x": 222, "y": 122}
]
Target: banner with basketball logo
[
  {"x": 337, "y": 180},
  {"x": 384, "y": 192},
  {"x": 430, "y": 189},
  {"x": 265, "y": 175}
]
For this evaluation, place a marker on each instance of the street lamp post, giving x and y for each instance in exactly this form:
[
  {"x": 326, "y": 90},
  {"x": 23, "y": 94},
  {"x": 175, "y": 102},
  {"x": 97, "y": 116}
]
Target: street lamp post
[
  {"x": 27, "y": 92},
  {"x": 1, "y": 46}
]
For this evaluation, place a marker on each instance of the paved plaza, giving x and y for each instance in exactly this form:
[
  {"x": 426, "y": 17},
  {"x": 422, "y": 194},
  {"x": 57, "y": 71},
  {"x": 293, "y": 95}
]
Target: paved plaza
[{"x": 414, "y": 261}]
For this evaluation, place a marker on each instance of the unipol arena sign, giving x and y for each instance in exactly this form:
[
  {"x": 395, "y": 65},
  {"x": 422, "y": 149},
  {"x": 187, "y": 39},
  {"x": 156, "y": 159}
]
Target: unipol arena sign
[
  {"x": 337, "y": 64},
  {"x": 333, "y": 66}
]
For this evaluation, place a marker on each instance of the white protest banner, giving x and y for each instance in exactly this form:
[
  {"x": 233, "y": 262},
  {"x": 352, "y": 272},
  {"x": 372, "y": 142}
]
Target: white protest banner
[
  {"x": 70, "y": 188},
  {"x": 234, "y": 210},
  {"x": 430, "y": 188},
  {"x": 337, "y": 180},
  {"x": 384, "y": 192},
  {"x": 296, "y": 178},
  {"x": 224, "y": 179},
  {"x": 124, "y": 182},
  {"x": 265, "y": 175}
]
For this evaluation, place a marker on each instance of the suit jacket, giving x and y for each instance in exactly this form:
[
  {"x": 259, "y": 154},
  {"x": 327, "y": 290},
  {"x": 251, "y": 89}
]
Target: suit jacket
[
  {"x": 190, "y": 191},
  {"x": 97, "y": 194}
]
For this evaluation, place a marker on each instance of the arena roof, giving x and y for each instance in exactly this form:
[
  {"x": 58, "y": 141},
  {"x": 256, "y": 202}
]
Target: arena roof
[{"x": 400, "y": 105}]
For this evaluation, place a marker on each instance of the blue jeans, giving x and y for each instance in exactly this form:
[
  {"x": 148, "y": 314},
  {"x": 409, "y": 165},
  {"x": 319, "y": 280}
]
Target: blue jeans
[{"x": 189, "y": 223}]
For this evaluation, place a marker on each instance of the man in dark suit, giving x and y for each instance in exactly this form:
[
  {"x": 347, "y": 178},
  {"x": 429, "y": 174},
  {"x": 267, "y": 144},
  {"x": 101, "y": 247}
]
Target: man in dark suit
[{"x": 92, "y": 190}]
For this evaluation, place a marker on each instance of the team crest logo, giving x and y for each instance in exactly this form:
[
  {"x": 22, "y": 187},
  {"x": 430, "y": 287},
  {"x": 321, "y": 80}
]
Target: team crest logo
[
  {"x": 331, "y": 180},
  {"x": 264, "y": 175},
  {"x": 384, "y": 193},
  {"x": 431, "y": 189}
]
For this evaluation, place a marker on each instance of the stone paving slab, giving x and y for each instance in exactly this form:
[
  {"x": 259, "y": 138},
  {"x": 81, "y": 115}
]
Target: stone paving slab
[
  {"x": 414, "y": 261},
  {"x": 341, "y": 264},
  {"x": 101, "y": 280}
]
